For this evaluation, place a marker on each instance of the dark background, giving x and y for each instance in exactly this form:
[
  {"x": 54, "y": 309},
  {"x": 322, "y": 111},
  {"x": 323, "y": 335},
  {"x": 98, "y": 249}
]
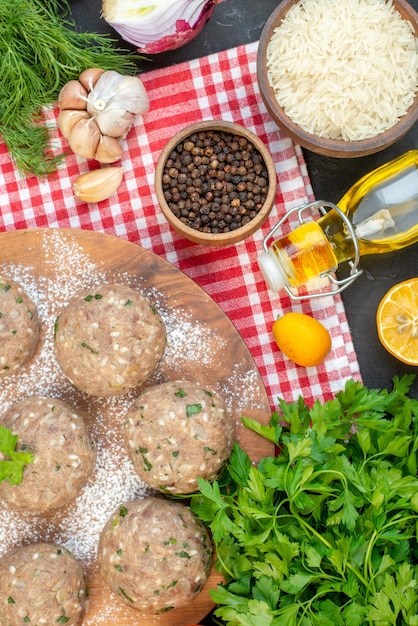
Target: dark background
[{"x": 236, "y": 22}]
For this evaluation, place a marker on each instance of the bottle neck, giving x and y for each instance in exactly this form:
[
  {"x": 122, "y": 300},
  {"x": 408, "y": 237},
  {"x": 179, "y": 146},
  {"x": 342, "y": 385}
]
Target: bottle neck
[
  {"x": 304, "y": 257},
  {"x": 338, "y": 236}
]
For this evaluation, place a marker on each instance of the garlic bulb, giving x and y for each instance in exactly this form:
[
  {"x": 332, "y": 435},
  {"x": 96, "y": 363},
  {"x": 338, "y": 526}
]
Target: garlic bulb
[
  {"x": 98, "y": 110},
  {"x": 115, "y": 100}
]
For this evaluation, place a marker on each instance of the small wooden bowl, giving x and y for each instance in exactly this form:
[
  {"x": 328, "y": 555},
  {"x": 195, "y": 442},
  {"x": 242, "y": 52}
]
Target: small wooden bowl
[
  {"x": 233, "y": 236},
  {"x": 321, "y": 145}
]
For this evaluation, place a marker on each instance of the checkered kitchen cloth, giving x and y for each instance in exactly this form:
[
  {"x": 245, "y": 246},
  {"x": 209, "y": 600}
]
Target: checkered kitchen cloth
[{"x": 219, "y": 86}]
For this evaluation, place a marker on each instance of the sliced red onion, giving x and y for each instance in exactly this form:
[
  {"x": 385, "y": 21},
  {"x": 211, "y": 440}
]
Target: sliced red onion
[{"x": 163, "y": 25}]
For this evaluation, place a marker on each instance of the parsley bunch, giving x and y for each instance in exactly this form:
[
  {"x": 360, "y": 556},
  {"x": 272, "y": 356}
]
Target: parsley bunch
[{"x": 325, "y": 533}]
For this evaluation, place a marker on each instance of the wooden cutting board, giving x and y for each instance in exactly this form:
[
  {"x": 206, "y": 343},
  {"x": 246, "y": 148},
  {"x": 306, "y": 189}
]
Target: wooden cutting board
[{"x": 203, "y": 345}]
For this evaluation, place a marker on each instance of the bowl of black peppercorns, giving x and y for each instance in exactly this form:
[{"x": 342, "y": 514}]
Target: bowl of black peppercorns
[{"x": 215, "y": 182}]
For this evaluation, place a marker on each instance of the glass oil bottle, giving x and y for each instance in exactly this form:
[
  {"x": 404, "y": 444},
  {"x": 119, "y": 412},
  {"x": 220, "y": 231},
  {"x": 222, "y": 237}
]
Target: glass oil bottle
[{"x": 378, "y": 214}]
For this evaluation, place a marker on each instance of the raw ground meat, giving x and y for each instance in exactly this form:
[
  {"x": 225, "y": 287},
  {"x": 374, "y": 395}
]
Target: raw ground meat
[
  {"x": 19, "y": 326},
  {"x": 41, "y": 584},
  {"x": 109, "y": 340},
  {"x": 154, "y": 554},
  {"x": 175, "y": 432},
  {"x": 64, "y": 454}
]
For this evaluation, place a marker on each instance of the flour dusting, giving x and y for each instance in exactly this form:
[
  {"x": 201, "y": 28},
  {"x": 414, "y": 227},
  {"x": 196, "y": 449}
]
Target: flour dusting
[{"x": 65, "y": 270}]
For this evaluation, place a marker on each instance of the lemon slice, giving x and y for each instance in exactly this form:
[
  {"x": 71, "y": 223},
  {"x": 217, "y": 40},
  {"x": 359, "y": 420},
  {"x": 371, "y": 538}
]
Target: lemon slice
[{"x": 397, "y": 321}]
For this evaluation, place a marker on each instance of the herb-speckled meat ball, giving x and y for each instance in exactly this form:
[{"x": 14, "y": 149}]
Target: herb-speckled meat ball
[
  {"x": 19, "y": 326},
  {"x": 154, "y": 554},
  {"x": 42, "y": 584},
  {"x": 175, "y": 432},
  {"x": 109, "y": 340},
  {"x": 63, "y": 453}
]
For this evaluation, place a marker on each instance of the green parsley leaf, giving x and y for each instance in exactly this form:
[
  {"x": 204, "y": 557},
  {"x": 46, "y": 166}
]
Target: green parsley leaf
[
  {"x": 11, "y": 468},
  {"x": 87, "y": 347},
  {"x": 324, "y": 533},
  {"x": 123, "y": 593},
  {"x": 193, "y": 409}
]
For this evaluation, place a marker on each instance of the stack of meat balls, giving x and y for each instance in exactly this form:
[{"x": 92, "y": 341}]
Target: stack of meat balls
[
  {"x": 153, "y": 553},
  {"x": 63, "y": 457}
]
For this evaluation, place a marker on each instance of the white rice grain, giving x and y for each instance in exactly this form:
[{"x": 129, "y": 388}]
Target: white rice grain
[{"x": 345, "y": 70}]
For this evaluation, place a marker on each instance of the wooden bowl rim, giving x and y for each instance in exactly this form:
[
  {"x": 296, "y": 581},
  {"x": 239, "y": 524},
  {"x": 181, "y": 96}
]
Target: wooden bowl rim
[
  {"x": 323, "y": 145},
  {"x": 216, "y": 239}
]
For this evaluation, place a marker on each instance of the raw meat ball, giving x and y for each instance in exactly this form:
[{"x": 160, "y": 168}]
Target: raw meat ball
[
  {"x": 64, "y": 454},
  {"x": 19, "y": 326},
  {"x": 154, "y": 554},
  {"x": 109, "y": 340},
  {"x": 41, "y": 584},
  {"x": 175, "y": 432}
]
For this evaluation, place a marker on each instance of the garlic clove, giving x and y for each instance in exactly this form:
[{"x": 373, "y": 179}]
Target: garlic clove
[
  {"x": 84, "y": 138},
  {"x": 114, "y": 122},
  {"x": 131, "y": 90},
  {"x": 109, "y": 150},
  {"x": 73, "y": 96},
  {"x": 89, "y": 77},
  {"x": 98, "y": 185},
  {"x": 68, "y": 118}
]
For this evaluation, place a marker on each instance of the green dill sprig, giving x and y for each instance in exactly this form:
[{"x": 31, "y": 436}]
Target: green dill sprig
[{"x": 40, "y": 51}]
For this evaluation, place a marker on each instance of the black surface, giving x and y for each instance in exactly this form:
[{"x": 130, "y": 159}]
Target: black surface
[{"x": 237, "y": 22}]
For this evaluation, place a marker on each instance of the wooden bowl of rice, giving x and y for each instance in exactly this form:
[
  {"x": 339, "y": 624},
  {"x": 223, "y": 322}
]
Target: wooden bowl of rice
[{"x": 341, "y": 78}]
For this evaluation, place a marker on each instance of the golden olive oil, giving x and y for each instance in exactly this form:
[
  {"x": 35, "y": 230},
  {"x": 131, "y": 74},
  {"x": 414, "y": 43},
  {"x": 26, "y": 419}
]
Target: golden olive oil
[{"x": 378, "y": 214}]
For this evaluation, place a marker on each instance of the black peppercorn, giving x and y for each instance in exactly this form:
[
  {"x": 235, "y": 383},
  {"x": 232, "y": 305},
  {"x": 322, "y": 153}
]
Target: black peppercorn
[{"x": 215, "y": 181}]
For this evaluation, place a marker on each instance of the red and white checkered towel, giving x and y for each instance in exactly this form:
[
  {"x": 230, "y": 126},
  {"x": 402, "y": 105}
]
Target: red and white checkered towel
[{"x": 219, "y": 86}]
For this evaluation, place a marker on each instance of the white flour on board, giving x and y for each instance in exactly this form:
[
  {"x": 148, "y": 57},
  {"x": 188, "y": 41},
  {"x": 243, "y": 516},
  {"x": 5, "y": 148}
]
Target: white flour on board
[{"x": 80, "y": 523}]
